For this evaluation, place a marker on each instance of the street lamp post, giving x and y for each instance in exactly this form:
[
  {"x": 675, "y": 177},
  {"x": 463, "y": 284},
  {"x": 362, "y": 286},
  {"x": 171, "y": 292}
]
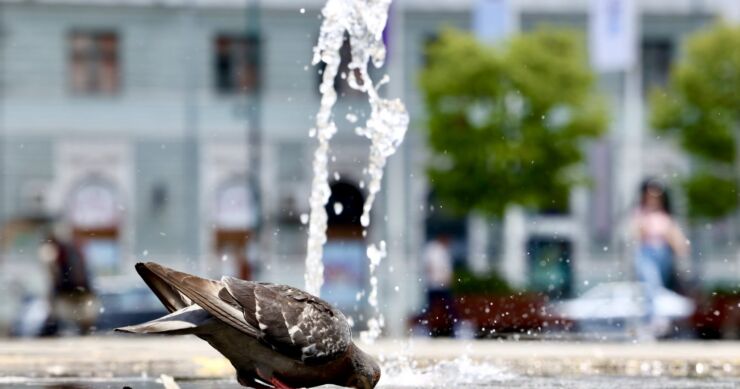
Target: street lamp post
[
  {"x": 3, "y": 178},
  {"x": 191, "y": 149},
  {"x": 253, "y": 102}
]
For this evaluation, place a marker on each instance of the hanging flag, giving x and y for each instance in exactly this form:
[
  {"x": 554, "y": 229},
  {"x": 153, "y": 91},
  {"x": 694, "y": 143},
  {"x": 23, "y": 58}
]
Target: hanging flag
[
  {"x": 388, "y": 31},
  {"x": 613, "y": 34},
  {"x": 491, "y": 20}
]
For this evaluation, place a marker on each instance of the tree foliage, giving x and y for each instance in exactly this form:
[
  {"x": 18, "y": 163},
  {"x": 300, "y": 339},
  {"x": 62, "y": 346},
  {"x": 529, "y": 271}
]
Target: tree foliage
[
  {"x": 701, "y": 107},
  {"x": 507, "y": 123}
]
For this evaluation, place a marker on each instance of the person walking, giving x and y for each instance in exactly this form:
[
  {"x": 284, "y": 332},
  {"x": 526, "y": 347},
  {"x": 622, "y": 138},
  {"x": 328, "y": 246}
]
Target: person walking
[
  {"x": 71, "y": 297},
  {"x": 441, "y": 311},
  {"x": 660, "y": 246}
]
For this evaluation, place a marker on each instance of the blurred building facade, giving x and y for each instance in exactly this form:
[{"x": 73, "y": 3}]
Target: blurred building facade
[
  {"x": 139, "y": 123},
  {"x": 593, "y": 233}
]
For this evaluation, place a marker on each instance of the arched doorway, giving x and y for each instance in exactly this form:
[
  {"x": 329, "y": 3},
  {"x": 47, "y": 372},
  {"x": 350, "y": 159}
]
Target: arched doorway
[
  {"x": 345, "y": 263},
  {"x": 234, "y": 220},
  {"x": 344, "y": 210},
  {"x": 94, "y": 213}
]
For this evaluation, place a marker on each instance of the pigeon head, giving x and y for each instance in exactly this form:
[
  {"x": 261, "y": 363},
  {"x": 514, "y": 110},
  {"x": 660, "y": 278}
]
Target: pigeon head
[{"x": 365, "y": 370}]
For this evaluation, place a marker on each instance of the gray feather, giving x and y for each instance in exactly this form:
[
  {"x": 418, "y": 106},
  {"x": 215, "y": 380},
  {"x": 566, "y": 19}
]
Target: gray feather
[{"x": 184, "y": 321}]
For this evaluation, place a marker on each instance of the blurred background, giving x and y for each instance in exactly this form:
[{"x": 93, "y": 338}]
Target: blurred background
[{"x": 178, "y": 131}]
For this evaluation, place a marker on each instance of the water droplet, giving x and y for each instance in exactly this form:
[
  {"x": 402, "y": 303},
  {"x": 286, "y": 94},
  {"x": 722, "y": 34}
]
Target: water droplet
[
  {"x": 338, "y": 208},
  {"x": 304, "y": 218},
  {"x": 303, "y": 10}
]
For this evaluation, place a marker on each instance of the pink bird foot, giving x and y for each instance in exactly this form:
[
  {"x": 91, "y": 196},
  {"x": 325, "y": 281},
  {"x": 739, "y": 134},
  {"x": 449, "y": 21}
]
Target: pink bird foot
[{"x": 279, "y": 385}]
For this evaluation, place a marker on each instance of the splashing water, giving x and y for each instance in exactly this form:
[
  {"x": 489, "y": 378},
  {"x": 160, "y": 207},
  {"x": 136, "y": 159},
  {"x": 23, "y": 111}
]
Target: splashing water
[
  {"x": 376, "y": 322},
  {"x": 386, "y": 128},
  {"x": 401, "y": 371},
  {"x": 364, "y": 22},
  {"x": 327, "y": 51}
]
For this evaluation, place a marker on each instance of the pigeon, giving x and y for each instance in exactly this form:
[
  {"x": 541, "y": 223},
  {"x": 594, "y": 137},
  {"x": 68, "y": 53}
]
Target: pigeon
[{"x": 274, "y": 335}]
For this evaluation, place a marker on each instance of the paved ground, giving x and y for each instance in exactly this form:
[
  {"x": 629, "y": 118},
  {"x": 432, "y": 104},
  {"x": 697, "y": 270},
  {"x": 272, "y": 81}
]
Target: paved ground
[{"x": 190, "y": 358}]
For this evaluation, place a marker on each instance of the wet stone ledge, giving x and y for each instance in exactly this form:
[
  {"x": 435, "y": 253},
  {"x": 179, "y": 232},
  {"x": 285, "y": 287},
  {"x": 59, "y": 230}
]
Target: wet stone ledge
[{"x": 191, "y": 358}]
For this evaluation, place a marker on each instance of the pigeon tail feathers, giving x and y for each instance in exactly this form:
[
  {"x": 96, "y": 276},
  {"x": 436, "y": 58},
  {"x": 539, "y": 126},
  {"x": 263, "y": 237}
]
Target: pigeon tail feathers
[
  {"x": 170, "y": 297},
  {"x": 182, "y": 322}
]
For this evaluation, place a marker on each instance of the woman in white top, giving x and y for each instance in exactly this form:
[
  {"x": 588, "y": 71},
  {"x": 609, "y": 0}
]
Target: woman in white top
[{"x": 660, "y": 245}]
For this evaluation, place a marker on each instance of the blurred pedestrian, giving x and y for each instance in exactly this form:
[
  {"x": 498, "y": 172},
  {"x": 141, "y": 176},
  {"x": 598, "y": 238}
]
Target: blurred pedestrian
[
  {"x": 71, "y": 297},
  {"x": 441, "y": 311},
  {"x": 661, "y": 249}
]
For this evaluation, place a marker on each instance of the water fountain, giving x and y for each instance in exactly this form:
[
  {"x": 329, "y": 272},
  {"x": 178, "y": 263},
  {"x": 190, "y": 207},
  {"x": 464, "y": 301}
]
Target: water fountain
[{"x": 363, "y": 22}]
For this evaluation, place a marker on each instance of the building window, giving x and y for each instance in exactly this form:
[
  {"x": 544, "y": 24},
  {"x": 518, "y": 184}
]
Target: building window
[
  {"x": 429, "y": 39},
  {"x": 236, "y": 63},
  {"x": 94, "y": 65},
  {"x": 656, "y": 62}
]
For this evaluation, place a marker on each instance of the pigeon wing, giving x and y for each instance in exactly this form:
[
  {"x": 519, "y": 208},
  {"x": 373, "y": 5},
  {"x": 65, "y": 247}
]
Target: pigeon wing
[
  {"x": 290, "y": 320},
  {"x": 205, "y": 293}
]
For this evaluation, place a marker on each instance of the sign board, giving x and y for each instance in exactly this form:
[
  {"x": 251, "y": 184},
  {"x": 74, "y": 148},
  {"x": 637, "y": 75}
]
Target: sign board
[
  {"x": 613, "y": 34},
  {"x": 345, "y": 274},
  {"x": 491, "y": 20}
]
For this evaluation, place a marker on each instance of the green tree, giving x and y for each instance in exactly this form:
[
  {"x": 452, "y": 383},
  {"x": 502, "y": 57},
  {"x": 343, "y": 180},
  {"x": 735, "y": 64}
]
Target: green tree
[
  {"x": 701, "y": 107},
  {"x": 507, "y": 123}
]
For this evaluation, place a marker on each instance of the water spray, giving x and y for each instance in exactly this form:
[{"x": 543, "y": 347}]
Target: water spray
[{"x": 363, "y": 22}]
